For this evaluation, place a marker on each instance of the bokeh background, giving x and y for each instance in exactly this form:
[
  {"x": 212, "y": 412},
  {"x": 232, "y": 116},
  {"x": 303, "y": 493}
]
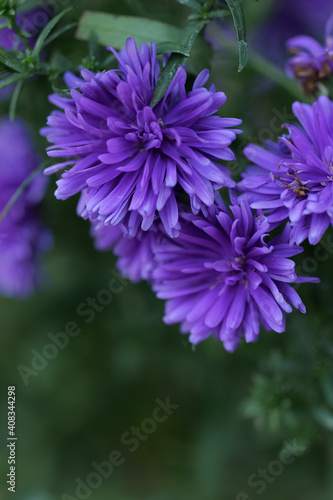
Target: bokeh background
[{"x": 235, "y": 410}]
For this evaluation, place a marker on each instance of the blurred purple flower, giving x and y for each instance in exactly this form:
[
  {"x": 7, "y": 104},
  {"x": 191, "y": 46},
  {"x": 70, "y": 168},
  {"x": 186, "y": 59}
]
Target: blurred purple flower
[
  {"x": 288, "y": 19},
  {"x": 294, "y": 179},
  {"x": 131, "y": 158},
  {"x": 31, "y": 21},
  {"x": 22, "y": 236},
  {"x": 220, "y": 277},
  {"x": 311, "y": 62}
]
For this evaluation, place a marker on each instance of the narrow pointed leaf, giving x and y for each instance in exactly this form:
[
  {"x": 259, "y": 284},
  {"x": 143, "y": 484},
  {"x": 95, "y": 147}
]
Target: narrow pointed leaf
[
  {"x": 10, "y": 61},
  {"x": 14, "y": 99},
  {"x": 45, "y": 33},
  {"x": 16, "y": 77},
  {"x": 239, "y": 23},
  {"x": 187, "y": 40}
]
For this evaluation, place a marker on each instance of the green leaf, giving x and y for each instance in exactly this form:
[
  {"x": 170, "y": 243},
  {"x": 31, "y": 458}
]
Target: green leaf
[
  {"x": 14, "y": 99},
  {"x": 60, "y": 32},
  {"x": 191, "y": 4},
  {"x": 45, "y": 33},
  {"x": 6, "y": 82},
  {"x": 10, "y": 61},
  {"x": 177, "y": 48},
  {"x": 114, "y": 30},
  {"x": 239, "y": 23},
  {"x": 187, "y": 40}
]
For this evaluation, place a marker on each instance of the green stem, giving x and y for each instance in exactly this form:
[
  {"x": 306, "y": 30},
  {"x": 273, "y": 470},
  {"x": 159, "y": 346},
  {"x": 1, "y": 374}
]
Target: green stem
[
  {"x": 22, "y": 188},
  {"x": 274, "y": 73}
]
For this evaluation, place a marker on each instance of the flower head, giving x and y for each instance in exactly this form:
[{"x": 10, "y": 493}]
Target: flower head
[
  {"x": 131, "y": 158},
  {"x": 311, "y": 62},
  {"x": 294, "y": 179},
  {"x": 221, "y": 277},
  {"x": 22, "y": 236}
]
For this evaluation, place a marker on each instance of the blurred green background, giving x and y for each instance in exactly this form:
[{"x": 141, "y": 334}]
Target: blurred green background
[{"x": 235, "y": 410}]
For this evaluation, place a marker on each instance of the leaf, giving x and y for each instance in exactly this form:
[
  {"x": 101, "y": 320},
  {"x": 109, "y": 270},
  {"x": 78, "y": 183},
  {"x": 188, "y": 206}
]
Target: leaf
[
  {"x": 192, "y": 4},
  {"x": 114, "y": 30},
  {"x": 45, "y": 33},
  {"x": 60, "y": 32},
  {"x": 177, "y": 48},
  {"x": 239, "y": 23},
  {"x": 16, "y": 77},
  {"x": 8, "y": 60},
  {"x": 14, "y": 99},
  {"x": 187, "y": 40}
]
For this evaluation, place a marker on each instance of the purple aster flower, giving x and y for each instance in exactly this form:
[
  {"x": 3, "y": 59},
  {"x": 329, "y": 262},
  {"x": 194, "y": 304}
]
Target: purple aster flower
[
  {"x": 131, "y": 158},
  {"x": 311, "y": 62},
  {"x": 22, "y": 236},
  {"x": 220, "y": 277},
  {"x": 294, "y": 179}
]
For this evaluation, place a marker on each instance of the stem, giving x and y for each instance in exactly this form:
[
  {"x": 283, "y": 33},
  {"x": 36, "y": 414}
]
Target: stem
[
  {"x": 22, "y": 188},
  {"x": 274, "y": 73}
]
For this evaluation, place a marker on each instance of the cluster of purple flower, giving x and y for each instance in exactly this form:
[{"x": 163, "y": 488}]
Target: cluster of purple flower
[{"x": 149, "y": 179}]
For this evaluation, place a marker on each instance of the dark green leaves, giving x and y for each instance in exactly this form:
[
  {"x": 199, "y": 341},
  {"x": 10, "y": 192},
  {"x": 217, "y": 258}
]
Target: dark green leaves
[
  {"x": 239, "y": 22},
  {"x": 177, "y": 59},
  {"x": 41, "y": 40},
  {"x": 10, "y": 61},
  {"x": 16, "y": 77}
]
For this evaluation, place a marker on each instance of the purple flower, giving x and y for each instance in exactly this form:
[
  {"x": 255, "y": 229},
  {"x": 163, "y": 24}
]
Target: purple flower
[
  {"x": 311, "y": 62},
  {"x": 293, "y": 179},
  {"x": 131, "y": 158},
  {"x": 220, "y": 277},
  {"x": 22, "y": 236}
]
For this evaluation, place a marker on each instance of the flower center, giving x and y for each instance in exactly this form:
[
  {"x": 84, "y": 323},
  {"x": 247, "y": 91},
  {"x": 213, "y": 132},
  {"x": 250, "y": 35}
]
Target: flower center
[
  {"x": 291, "y": 181},
  {"x": 147, "y": 130}
]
